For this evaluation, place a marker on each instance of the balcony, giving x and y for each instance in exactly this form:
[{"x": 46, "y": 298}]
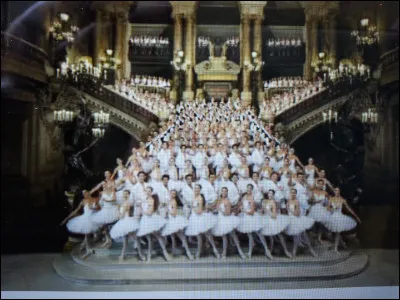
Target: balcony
[
  {"x": 389, "y": 63},
  {"x": 22, "y": 58}
]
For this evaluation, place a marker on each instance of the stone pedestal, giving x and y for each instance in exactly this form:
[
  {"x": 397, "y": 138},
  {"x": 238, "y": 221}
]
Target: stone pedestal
[
  {"x": 188, "y": 95},
  {"x": 246, "y": 99}
]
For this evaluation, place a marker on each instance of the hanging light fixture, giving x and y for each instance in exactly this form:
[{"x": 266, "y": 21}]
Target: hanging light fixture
[
  {"x": 369, "y": 117},
  {"x": 63, "y": 116},
  {"x": 98, "y": 132},
  {"x": 62, "y": 30},
  {"x": 366, "y": 34}
]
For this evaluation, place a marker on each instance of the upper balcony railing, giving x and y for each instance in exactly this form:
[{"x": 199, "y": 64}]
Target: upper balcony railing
[
  {"x": 94, "y": 87},
  {"x": 333, "y": 90},
  {"x": 389, "y": 58},
  {"x": 14, "y": 46}
]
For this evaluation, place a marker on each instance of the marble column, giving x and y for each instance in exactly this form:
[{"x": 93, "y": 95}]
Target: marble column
[
  {"x": 177, "y": 47},
  {"x": 311, "y": 42},
  {"x": 246, "y": 93},
  {"x": 314, "y": 41},
  {"x": 333, "y": 41},
  {"x": 126, "y": 68},
  {"x": 121, "y": 43},
  {"x": 97, "y": 38},
  {"x": 189, "y": 94},
  {"x": 257, "y": 46}
]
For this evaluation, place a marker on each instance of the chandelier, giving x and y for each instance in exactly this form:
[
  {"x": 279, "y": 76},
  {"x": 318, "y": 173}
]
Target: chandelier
[
  {"x": 330, "y": 116},
  {"x": 366, "y": 35},
  {"x": 101, "y": 120},
  {"x": 369, "y": 117},
  {"x": 63, "y": 116},
  {"x": 62, "y": 30}
]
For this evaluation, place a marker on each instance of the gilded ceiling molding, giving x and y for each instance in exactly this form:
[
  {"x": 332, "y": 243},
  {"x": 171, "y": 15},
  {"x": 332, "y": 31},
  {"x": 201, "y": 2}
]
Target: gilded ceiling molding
[{"x": 113, "y": 6}]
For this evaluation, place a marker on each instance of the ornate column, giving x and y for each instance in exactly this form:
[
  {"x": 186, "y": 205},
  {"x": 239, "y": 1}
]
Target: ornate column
[
  {"x": 314, "y": 41},
  {"x": 333, "y": 39},
  {"x": 246, "y": 93},
  {"x": 257, "y": 46},
  {"x": 98, "y": 48},
  {"x": 122, "y": 44},
  {"x": 126, "y": 68},
  {"x": 173, "y": 95},
  {"x": 249, "y": 10},
  {"x": 188, "y": 95}
]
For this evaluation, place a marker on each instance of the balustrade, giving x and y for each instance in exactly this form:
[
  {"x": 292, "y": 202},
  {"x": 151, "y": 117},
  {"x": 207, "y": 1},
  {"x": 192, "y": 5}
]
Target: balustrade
[{"x": 94, "y": 87}]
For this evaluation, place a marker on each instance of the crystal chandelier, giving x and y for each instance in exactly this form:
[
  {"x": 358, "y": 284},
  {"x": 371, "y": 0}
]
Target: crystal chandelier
[
  {"x": 62, "y": 30},
  {"x": 366, "y": 35},
  {"x": 101, "y": 120}
]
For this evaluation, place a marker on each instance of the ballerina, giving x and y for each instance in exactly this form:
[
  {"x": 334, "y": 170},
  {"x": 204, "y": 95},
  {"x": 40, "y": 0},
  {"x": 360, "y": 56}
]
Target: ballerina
[
  {"x": 152, "y": 223},
  {"x": 310, "y": 170},
  {"x": 175, "y": 225},
  {"x": 83, "y": 224},
  {"x": 226, "y": 224},
  {"x": 339, "y": 222},
  {"x": 293, "y": 160},
  {"x": 201, "y": 222},
  {"x": 109, "y": 210},
  {"x": 298, "y": 224},
  {"x": 250, "y": 221},
  {"x": 318, "y": 210},
  {"x": 120, "y": 170},
  {"x": 126, "y": 226}
]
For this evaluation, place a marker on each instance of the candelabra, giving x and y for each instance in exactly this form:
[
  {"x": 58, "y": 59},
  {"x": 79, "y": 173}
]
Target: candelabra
[
  {"x": 369, "y": 117},
  {"x": 101, "y": 121},
  {"x": 330, "y": 116},
  {"x": 63, "y": 116}
]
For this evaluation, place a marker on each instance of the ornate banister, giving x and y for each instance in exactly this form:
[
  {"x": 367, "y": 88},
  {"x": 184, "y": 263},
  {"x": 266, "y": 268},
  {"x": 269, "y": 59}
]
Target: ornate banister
[
  {"x": 340, "y": 88},
  {"x": 93, "y": 86}
]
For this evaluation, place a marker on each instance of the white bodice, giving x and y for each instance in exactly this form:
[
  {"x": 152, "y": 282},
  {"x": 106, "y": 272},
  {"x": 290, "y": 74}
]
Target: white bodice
[
  {"x": 246, "y": 206},
  {"x": 319, "y": 197},
  {"x": 310, "y": 172},
  {"x": 291, "y": 209}
]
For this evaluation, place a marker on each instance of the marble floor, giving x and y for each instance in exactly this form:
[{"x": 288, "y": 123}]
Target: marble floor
[{"x": 33, "y": 272}]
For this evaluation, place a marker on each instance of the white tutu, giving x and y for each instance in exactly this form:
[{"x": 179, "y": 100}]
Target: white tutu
[
  {"x": 298, "y": 225},
  {"x": 319, "y": 213},
  {"x": 108, "y": 214},
  {"x": 150, "y": 224},
  {"x": 225, "y": 224},
  {"x": 274, "y": 226},
  {"x": 248, "y": 223},
  {"x": 82, "y": 224},
  {"x": 339, "y": 222},
  {"x": 123, "y": 227},
  {"x": 174, "y": 224},
  {"x": 200, "y": 223}
]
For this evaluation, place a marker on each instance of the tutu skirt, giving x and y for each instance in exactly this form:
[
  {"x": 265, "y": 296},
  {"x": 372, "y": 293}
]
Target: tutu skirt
[
  {"x": 338, "y": 222},
  {"x": 174, "y": 224},
  {"x": 200, "y": 223},
  {"x": 298, "y": 225},
  {"x": 124, "y": 227},
  {"x": 319, "y": 213},
  {"x": 248, "y": 223},
  {"x": 274, "y": 226},
  {"x": 150, "y": 224},
  {"x": 82, "y": 224},
  {"x": 225, "y": 224},
  {"x": 107, "y": 214}
]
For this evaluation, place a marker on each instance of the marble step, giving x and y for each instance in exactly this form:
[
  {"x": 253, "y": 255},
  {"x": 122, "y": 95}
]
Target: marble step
[{"x": 108, "y": 270}]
